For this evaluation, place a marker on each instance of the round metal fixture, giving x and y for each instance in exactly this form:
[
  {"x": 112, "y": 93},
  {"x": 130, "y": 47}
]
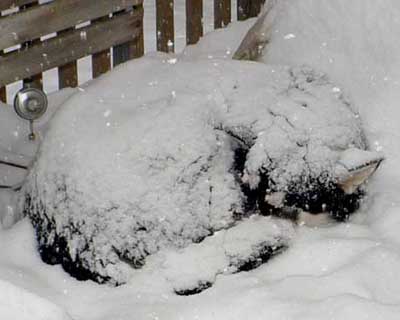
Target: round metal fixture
[{"x": 30, "y": 103}]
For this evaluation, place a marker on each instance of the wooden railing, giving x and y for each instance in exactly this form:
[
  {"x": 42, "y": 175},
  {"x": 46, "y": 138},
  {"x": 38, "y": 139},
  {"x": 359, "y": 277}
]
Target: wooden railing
[{"x": 37, "y": 36}]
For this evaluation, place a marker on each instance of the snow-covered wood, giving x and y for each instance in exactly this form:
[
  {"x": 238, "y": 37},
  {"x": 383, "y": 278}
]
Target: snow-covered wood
[
  {"x": 76, "y": 44},
  {"x": 7, "y": 4},
  {"x": 59, "y": 15}
]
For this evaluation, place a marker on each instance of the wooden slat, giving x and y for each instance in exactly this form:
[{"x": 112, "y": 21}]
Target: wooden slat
[
  {"x": 165, "y": 25},
  {"x": 101, "y": 61},
  {"x": 68, "y": 73},
  {"x": 3, "y": 94},
  {"x": 136, "y": 47},
  {"x": 50, "y": 54},
  {"x": 121, "y": 54},
  {"x": 3, "y": 90},
  {"x": 7, "y": 4},
  {"x": 255, "y": 7},
  {"x": 130, "y": 50},
  {"x": 248, "y": 8},
  {"x": 243, "y": 9},
  {"x": 36, "y": 80},
  {"x": 222, "y": 13},
  {"x": 127, "y": 51},
  {"x": 194, "y": 21},
  {"x": 17, "y": 28}
]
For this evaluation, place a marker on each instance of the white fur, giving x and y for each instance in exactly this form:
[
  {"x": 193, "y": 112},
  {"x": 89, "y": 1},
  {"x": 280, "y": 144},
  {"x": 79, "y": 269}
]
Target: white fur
[{"x": 313, "y": 220}]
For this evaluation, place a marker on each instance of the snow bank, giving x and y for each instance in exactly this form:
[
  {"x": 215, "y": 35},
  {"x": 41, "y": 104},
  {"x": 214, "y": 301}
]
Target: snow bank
[
  {"x": 357, "y": 44},
  {"x": 15, "y": 147},
  {"x": 17, "y": 303}
]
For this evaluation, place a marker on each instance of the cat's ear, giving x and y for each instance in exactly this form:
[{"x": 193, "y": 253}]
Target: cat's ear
[{"x": 354, "y": 167}]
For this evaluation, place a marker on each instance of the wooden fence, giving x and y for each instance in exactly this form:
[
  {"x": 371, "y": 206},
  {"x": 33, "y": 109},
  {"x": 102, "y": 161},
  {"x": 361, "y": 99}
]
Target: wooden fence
[{"x": 36, "y": 36}]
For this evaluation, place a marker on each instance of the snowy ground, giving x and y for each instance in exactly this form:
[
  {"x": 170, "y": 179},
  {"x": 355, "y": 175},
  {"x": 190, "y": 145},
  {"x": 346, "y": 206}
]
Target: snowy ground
[{"x": 344, "y": 271}]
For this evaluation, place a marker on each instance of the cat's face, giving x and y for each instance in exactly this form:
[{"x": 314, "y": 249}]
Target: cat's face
[{"x": 320, "y": 202}]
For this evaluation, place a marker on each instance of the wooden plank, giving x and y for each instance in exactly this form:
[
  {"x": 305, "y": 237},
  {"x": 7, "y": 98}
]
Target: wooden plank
[
  {"x": 194, "y": 21},
  {"x": 3, "y": 90},
  {"x": 132, "y": 49},
  {"x": 82, "y": 42},
  {"x": 222, "y": 13},
  {"x": 120, "y": 53},
  {"x": 136, "y": 47},
  {"x": 67, "y": 73},
  {"x": 248, "y": 8},
  {"x": 36, "y": 80},
  {"x": 101, "y": 61},
  {"x": 57, "y": 15},
  {"x": 255, "y": 7},
  {"x": 243, "y": 9},
  {"x": 3, "y": 94},
  {"x": 165, "y": 25},
  {"x": 8, "y": 4}
]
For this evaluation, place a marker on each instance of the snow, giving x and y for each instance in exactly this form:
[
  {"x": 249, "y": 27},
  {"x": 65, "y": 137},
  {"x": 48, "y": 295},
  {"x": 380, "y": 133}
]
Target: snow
[
  {"x": 342, "y": 271},
  {"x": 150, "y": 164},
  {"x": 17, "y": 303},
  {"x": 14, "y": 147},
  {"x": 357, "y": 46}
]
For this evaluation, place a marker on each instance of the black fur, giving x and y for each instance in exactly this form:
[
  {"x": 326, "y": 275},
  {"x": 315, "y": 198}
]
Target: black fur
[{"x": 321, "y": 196}]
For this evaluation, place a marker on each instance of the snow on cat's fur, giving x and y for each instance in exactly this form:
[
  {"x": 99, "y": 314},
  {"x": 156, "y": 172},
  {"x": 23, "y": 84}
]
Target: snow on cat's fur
[{"x": 177, "y": 152}]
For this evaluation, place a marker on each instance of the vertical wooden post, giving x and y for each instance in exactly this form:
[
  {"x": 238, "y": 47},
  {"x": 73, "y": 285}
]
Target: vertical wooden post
[
  {"x": 120, "y": 54},
  {"x": 3, "y": 94},
  {"x": 101, "y": 61},
  {"x": 132, "y": 49},
  {"x": 35, "y": 81},
  {"x": 222, "y": 13},
  {"x": 137, "y": 45},
  {"x": 255, "y": 7},
  {"x": 248, "y": 8},
  {"x": 194, "y": 21},
  {"x": 68, "y": 73},
  {"x": 3, "y": 91},
  {"x": 242, "y": 9},
  {"x": 165, "y": 25}
]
